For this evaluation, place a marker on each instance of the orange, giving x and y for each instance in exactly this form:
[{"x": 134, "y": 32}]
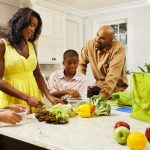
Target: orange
[{"x": 136, "y": 141}]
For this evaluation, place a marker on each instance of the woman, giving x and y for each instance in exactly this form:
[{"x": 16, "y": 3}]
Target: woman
[{"x": 20, "y": 77}]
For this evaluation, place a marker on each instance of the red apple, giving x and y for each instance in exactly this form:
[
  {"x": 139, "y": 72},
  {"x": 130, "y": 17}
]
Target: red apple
[
  {"x": 121, "y": 123},
  {"x": 147, "y": 134}
]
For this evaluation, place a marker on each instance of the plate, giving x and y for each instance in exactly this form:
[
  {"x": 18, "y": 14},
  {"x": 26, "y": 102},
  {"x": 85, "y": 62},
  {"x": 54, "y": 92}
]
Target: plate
[{"x": 74, "y": 100}]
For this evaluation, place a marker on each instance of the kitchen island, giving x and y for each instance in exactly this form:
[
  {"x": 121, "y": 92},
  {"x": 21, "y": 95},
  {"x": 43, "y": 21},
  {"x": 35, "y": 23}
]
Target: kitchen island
[{"x": 79, "y": 134}]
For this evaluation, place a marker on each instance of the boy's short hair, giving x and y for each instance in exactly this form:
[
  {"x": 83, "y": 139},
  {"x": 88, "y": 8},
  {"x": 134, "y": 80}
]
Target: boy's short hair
[{"x": 70, "y": 53}]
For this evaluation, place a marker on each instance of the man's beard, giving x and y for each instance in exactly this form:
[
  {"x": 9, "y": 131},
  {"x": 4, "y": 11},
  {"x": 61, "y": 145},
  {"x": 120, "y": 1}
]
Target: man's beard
[{"x": 100, "y": 46}]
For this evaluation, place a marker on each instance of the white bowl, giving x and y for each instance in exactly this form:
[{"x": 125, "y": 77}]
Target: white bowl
[
  {"x": 76, "y": 102},
  {"x": 23, "y": 115}
]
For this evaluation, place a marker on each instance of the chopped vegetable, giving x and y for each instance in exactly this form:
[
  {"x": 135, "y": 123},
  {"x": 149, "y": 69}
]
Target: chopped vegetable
[
  {"x": 101, "y": 107},
  {"x": 96, "y": 99},
  {"x": 84, "y": 110},
  {"x": 57, "y": 114}
]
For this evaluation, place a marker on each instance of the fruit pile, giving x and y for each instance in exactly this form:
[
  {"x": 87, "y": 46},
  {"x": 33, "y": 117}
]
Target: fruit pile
[{"x": 134, "y": 140}]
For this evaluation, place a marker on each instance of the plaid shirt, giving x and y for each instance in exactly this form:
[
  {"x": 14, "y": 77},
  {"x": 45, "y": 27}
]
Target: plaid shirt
[{"x": 58, "y": 82}]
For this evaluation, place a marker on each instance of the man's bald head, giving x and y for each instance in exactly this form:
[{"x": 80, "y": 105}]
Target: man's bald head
[
  {"x": 107, "y": 29},
  {"x": 104, "y": 37}
]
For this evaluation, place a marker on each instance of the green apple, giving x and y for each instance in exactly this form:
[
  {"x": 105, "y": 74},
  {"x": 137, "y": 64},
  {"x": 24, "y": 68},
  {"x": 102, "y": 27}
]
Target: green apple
[{"x": 121, "y": 134}]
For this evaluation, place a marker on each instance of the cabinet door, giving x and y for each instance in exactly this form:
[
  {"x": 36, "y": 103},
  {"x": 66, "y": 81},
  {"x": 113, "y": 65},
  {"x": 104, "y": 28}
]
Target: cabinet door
[
  {"x": 47, "y": 21},
  {"x": 59, "y": 23},
  {"x": 45, "y": 49},
  {"x": 51, "y": 43},
  {"x": 59, "y": 49},
  {"x": 59, "y": 26},
  {"x": 74, "y": 33}
]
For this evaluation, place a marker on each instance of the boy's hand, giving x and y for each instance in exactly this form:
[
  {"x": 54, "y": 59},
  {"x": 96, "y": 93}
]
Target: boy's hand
[
  {"x": 55, "y": 100},
  {"x": 73, "y": 93}
]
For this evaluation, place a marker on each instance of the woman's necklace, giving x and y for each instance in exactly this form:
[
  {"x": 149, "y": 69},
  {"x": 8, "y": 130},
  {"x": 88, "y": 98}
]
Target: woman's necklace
[
  {"x": 23, "y": 50},
  {"x": 23, "y": 46}
]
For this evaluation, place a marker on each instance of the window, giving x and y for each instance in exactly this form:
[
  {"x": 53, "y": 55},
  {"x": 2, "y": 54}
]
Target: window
[{"x": 121, "y": 32}]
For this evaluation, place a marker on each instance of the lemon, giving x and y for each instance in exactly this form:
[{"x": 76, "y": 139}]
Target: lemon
[{"x": 136, "y": 141}]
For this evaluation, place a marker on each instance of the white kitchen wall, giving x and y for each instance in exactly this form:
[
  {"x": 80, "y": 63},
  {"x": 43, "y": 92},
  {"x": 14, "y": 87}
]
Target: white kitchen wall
[
  {"x": 7, "y": 9},
  {"x": 47, "y": 69}
]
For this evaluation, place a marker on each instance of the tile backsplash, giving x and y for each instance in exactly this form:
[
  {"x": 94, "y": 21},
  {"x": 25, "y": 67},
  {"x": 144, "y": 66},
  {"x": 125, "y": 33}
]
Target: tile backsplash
[{"x": 47, "y": 69}]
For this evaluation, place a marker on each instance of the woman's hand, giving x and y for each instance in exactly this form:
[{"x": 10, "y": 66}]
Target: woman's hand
[
  {"x": 55, "y": 100},
  {"x": 16, "y": 107},
  {"x": 10, "y": 116},
  {"x": 34, "y": 102}
]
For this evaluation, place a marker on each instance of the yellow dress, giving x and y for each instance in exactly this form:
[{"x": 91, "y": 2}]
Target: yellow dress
[{"x": 18, "y": 72}]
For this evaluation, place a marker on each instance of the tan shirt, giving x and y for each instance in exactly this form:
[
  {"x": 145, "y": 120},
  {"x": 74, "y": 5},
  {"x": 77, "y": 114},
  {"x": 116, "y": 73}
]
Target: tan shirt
[{"x": 108, "y": 66}]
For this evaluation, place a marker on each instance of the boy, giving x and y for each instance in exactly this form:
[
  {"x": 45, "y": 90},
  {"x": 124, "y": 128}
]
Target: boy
[{"x": 68, "y": 83}]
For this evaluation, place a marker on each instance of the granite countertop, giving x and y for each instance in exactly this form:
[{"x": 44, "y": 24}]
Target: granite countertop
[{"x": 79, "y": 134}]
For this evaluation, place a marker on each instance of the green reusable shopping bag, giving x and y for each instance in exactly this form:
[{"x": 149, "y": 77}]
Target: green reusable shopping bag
[
  {"x": 122, "y": 98},
  {"x": 140, "y": 94}
]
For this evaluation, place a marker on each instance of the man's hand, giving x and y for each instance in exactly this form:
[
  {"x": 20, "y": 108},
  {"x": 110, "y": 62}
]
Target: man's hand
[
  {"x": 16, "y": 107},
  {"x": 10, "y": 117},
  {"x": 33, "y": 102},
  {"x": 73, "y": 93},
  {"x": 95, "y": 90}
]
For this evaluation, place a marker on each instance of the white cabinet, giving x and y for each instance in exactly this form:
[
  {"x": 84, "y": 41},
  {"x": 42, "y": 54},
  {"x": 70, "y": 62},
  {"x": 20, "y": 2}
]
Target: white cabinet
[
  {"x": 47, "y": 19},
  {"x": 74, "y": 33},
  {"x": 59, "y": 20},
  {"x": 61, "y": 30},
  {"x": 51, "y": 43},
  {"x": 45, "y": 49}
]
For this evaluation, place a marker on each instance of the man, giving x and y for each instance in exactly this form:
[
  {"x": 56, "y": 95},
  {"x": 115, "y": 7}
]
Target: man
[
  {"x": 107, "y": 60},
  {"x": 68, "y": 83}
]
